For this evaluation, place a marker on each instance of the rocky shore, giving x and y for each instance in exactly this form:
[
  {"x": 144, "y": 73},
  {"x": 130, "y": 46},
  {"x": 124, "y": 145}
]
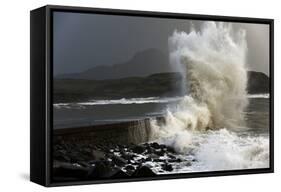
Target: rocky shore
[{"x": 74, "y": 162}]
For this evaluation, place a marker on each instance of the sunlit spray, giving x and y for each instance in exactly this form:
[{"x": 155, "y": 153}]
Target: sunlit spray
[{"x": 213, "y": 63}]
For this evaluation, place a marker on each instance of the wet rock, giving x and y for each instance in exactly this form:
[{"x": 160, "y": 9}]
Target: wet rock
[
  {"x": 84, "y": 164},
  {"x": 187, "y": 163},
  {"x": 97, "y": 155},
  {"x": 102, "y": 161},
  {"x": 61, "y": 155},
  {"x": 142, "y": 160},
  {"x": 119, "y": 174},
  {"x": 167, "y": 167},
  {"x": 161, "y": 146},
  {"x": 121, "y": 146},
  {"x": 119, "y": 161},
  {"x": 171, "y": 156},
  {"x": 159, "y": 160},
  {"x": 75, "y": 156},
  {"x": 130, "y": 168},
  {"x": 86, "y": 151},
  {"x": 138, "y": 149},
  {"x": 153, "y": 156},
  {"x": 127, "y": 156},
  {"x": 149, "y": 150},
  {"x": 133, "y": 162},
  {"x": 144, "y": 171},
  {"x": 148, "y": 165},
  {"x": 159, "y": 152},
  {"x": 91, "y": 162},
  {"x": 170, "y": 149},
  {"x": 148, "y": 159},
  {"x": 116, "y": 149},
  {"x": 177, "y": 160},
  {"x": 155, "y": 145},
  {"x": 123, "y": 151}
]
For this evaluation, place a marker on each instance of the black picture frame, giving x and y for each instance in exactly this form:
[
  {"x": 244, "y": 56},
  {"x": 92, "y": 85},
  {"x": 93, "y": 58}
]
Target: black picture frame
[{"x": 41, "y": 42}]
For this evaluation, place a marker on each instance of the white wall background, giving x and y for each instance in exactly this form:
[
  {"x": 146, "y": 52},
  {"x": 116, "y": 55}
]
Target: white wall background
[{"x": 14, "y": 95}]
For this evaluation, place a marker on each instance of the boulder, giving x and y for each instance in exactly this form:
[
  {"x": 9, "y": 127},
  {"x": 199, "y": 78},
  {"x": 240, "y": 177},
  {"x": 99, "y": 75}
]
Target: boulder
[
  {"x": 61, "y": 155},
  {"x": 155, "y": 145},
  {"x": 98, "y": 155},
  {"x": 174, "y": 160},
  {"x": 119, "y": 161},
  {"x": 118, "y": 174},
  {"x": 127, "y": 156},
  {"x": 170, "y": 149},
  {"x": 167, "y": 167},
  {"x": 159, "y": 152},
  {"x": 138, "y": 149},
  {"x": 130, "y": 168},
  {"x": 144, "y": 171}
]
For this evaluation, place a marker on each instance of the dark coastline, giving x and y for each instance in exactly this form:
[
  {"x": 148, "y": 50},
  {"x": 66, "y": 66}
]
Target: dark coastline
[
  {"x": 154, "y": 85},
  {"x": 114, "y": 151}
]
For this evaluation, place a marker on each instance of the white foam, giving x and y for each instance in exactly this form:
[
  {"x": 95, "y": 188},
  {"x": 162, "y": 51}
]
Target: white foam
[
  {"x": 213, "y": 62},
  {"x": 122, "y": 101},
  {"x": 255, "y": 96},
  {"x": 224, "y": 150},
  {"x": 218, "y": 150}
]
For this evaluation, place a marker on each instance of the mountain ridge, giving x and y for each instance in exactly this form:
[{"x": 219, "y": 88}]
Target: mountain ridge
[
  {"x": 143, "y": 63},
  {"x": 154, "y": 85}
]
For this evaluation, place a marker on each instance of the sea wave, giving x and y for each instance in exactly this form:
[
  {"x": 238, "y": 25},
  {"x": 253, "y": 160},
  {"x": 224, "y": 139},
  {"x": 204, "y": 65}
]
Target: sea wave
[
  {"x": 218, "y": 150},
  {"x": 123, "y": 101},
  {"x": 201, "y": 124},
  {"x": 255, "y": 96},
  {"x": 144, "y": 100}
]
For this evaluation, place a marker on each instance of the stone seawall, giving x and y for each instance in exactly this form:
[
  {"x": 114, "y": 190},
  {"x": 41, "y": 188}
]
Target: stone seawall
[{"x": 135, "y": 132}]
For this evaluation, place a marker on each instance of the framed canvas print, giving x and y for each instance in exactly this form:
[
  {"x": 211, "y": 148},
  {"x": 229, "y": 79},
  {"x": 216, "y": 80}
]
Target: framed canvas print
[{"x": 119, "y": 95}]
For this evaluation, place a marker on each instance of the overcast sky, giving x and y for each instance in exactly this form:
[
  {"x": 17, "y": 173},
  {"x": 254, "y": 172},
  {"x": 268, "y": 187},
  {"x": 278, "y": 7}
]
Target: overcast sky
[{"x": 82, "y": 41}]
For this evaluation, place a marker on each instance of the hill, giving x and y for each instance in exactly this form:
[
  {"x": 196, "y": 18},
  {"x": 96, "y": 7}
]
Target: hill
[
  {"x": 143, "y": 63},
  {"x": 155, "y": 85},
  {"x": 163, "y": 84}
]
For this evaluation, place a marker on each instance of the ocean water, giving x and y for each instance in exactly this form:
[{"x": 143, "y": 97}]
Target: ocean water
[
  {"x": 227, "y": 148},
  {"x": 98, "y": 112}
]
